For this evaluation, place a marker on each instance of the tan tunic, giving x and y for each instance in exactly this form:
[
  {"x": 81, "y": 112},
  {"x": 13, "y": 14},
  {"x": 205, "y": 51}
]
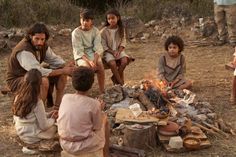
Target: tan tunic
[
  {"x": 111, "y": 39},
  {"x": 170, "y": 68},
  {"x": 80, "y": 124}
]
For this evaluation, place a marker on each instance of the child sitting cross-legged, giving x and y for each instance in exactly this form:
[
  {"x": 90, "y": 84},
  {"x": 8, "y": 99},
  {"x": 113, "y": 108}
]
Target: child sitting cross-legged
[
  {"x": 172, "y": 66},
  {"x": 30, "y": 118},
  {"x": 82, "y": 126}
]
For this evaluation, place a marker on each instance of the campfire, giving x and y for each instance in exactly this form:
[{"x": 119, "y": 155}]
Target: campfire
[{"x": 173, "y": 111}]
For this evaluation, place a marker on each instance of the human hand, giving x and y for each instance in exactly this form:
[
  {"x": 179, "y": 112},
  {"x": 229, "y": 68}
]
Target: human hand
[
  {"x": 116, "y": 54},
  {"x": 54, "y": 114},
  {"x": 164, "y": 83},
  {"x": 102, "y": 103},
  {"x": 171, "y": 84},
  {"x": 92, "y": 65},
  {"x": 70, "y": 64}
]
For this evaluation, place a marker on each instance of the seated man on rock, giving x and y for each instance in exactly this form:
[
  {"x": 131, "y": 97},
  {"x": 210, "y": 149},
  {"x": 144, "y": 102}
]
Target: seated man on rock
[{"x": 28, "y": 54}]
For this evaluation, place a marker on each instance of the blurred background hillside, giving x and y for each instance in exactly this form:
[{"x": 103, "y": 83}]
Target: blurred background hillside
[{"x": 20, "y": 13}]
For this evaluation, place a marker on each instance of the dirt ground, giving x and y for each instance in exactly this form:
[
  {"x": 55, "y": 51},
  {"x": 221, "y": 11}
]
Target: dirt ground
[{"x": 205, "y": 66}]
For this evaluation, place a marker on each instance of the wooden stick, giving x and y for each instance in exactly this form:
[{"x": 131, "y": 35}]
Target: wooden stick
[
  {"x": 216, "y": 129},
  {"x": 139, "y": 152},
  {"x": 145, "y": 101},
  {"x": 222, "y": 126},
  {"x": 207, "y": 129}
]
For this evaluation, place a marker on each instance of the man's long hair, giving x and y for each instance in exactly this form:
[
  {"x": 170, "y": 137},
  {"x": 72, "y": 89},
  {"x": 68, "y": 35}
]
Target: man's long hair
[
  {"x": 28, "y": 94},
  {"x": 119, "y": 22},
  {"x": 37, "y": 28}
]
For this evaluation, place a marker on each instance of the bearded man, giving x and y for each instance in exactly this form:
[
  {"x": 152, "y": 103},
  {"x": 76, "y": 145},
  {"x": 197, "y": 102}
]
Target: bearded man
[{"x": 28, "y": 54}]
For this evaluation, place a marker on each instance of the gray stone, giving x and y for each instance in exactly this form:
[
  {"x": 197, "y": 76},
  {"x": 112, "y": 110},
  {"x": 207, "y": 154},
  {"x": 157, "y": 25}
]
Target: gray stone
[
  {"x": 65, "y": 32},
  {"x": 152, "y": 22},
  {"x": 113, "y": 94},
  {"x": 201, "y": 117},
  {"x": 212, "y": 115},
  {"x": 133, "y": 26},
  {"x": 204, "y": 111}
]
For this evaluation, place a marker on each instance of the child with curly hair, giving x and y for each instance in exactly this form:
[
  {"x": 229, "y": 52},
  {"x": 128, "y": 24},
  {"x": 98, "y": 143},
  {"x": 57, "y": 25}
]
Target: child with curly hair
[{"x": 172, "y": 65}]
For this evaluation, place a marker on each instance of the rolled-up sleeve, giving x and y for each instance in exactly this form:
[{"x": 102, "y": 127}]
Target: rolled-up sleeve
[
  {"x": 53, "y": 60},
  {"x": 77, "y": 45},
  {"x": 28, "y": 61},
  {"x": 97, "y": 43}
]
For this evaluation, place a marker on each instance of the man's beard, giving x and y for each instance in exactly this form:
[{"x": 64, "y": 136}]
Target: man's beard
[{"x": 38, "y": 47}]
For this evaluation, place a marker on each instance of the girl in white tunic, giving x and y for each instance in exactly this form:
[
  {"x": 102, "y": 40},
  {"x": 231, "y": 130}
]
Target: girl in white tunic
[{"x": 31, "y": 122}]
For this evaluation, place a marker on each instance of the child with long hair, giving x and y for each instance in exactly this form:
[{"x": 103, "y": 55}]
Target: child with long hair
[
  {"x": 114, "y": 42},
  {"x": 31, "y": 122},
  {"x": 172, "y": 66}
]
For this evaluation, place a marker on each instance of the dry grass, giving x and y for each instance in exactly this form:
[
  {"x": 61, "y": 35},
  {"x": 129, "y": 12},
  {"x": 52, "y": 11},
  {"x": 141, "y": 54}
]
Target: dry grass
[
  {"x": 205, "y": 66},
  {"x": 26, "y": 12},
  {"x": 157, "y": 9}
]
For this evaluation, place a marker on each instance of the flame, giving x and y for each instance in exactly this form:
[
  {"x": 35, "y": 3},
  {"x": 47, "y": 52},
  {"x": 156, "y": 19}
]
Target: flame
[
  {"x": 150, "y": 80},
  {"x": 160, "y": 85}
]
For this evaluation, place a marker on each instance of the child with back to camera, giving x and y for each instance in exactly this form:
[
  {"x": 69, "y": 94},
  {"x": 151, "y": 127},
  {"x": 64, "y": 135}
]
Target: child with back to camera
[
  {"x": 82, "y": 127},
  {"x": 31, "y": 122},
  {"x": 172, "y": 65},
  {"x": 114, "y": 42}
]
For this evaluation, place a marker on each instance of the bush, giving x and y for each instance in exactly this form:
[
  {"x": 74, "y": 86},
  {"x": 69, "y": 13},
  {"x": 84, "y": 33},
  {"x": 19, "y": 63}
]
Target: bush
[
  {"x": 26, "y": 12},
  {"x": 151, "y": 9}
]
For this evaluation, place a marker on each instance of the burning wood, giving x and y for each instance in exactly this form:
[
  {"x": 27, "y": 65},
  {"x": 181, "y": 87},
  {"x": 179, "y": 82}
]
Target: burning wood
[
  {"x": 145, "y": 101},
  {"x": 126, "y": 151},
  {"x": 161, "y": 102}
]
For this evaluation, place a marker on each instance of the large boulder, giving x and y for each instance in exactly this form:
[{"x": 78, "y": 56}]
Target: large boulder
[{"x": 133, "y": 26}]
